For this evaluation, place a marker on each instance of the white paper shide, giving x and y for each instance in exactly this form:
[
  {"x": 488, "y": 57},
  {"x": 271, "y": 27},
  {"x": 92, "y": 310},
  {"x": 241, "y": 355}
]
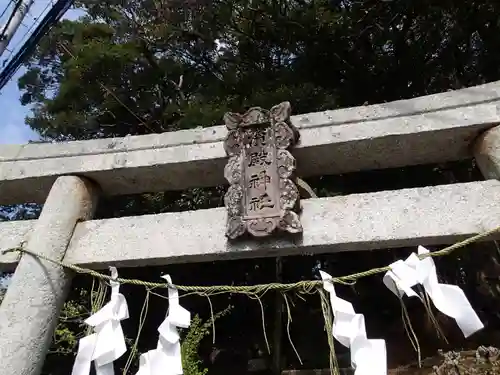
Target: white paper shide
[
  {"x": 166, "y": 358},
  {"x": 368, "y": 356},
  {"x": 107, "y": 343},
  {"x": 449, "y": 299}
]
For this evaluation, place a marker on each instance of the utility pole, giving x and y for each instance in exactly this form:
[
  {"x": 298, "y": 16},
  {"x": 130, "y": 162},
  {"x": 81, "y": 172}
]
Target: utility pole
[{"x": 7, "y": 31}]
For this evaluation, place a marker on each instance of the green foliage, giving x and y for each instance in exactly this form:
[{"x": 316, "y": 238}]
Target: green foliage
[
  {"x": 197, "y": 331},
  {"x": 191, "y": 363},
  {"x": 70, "y": 327},
  {"x": 136, "y": 67}
]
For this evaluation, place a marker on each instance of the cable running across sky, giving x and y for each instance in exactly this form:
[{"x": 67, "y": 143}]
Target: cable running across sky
[{"x": 57, "y": 10}]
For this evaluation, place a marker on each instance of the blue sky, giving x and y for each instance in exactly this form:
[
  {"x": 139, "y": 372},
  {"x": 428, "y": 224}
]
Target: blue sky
[{"x": 13, "y": 129}]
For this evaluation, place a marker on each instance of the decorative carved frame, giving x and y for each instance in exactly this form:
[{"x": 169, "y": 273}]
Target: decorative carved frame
[{"x": 267, "y": 134}]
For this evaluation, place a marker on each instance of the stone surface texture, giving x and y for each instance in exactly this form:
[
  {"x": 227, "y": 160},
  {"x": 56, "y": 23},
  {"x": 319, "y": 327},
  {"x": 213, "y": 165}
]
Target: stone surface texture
[
  {"x": 487, "y": 153},
  {"x": 30, "y": 309},
  {"x": 262, "y": 196},
  {"x": 410, "y": 217},
  {"x": 12, "y": 235},
  {"x": 434, "y": 128}
]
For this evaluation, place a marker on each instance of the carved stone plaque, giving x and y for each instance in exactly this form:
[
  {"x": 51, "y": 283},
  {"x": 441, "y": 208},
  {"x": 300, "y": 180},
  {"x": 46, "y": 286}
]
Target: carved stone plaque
[{"x": 262, "y": 195}]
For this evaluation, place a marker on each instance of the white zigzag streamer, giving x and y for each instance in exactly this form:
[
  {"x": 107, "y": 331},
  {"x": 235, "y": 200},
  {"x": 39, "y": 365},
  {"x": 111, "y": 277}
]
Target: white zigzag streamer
[
  {"x": 368, "y": 357},
  {"x": 449, "y": 299},
  {"x": 107, "y": 344},
  {"x": 166, "y": 358}
]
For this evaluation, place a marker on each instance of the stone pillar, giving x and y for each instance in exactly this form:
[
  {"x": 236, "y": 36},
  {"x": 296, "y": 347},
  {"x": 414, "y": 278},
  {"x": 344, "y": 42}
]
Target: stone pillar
[
  {"x": 38, "y": 289},
  {"x": 487, "y": 153}
]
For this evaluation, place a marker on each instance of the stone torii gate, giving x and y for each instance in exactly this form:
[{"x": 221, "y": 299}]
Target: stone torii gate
[{"x": 68, "y": 178}]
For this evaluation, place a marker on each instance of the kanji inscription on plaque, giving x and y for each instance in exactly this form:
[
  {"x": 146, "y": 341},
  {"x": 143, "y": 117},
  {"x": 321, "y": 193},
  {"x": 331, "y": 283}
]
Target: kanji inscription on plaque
[{"x": 262, "y": 196}]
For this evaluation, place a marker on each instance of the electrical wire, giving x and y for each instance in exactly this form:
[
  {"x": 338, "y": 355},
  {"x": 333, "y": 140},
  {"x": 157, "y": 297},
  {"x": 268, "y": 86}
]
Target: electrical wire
[
  {"x": 17, "y": 5},
  {"x": 50, "y": 19},
  {"x": 6, "y": 8},
  {"x": 42, "y": 13}
]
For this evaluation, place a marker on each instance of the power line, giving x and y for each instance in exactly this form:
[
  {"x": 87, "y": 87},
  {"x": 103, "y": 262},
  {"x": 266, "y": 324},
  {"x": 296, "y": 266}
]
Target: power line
[
  {"x": 28, "y": 31},
  {"x": 50, "y": 19},
  {"x": 16, "y": 8},
  {"x": 15, "y": 20},
  {"x": 6, "y": 8}
]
